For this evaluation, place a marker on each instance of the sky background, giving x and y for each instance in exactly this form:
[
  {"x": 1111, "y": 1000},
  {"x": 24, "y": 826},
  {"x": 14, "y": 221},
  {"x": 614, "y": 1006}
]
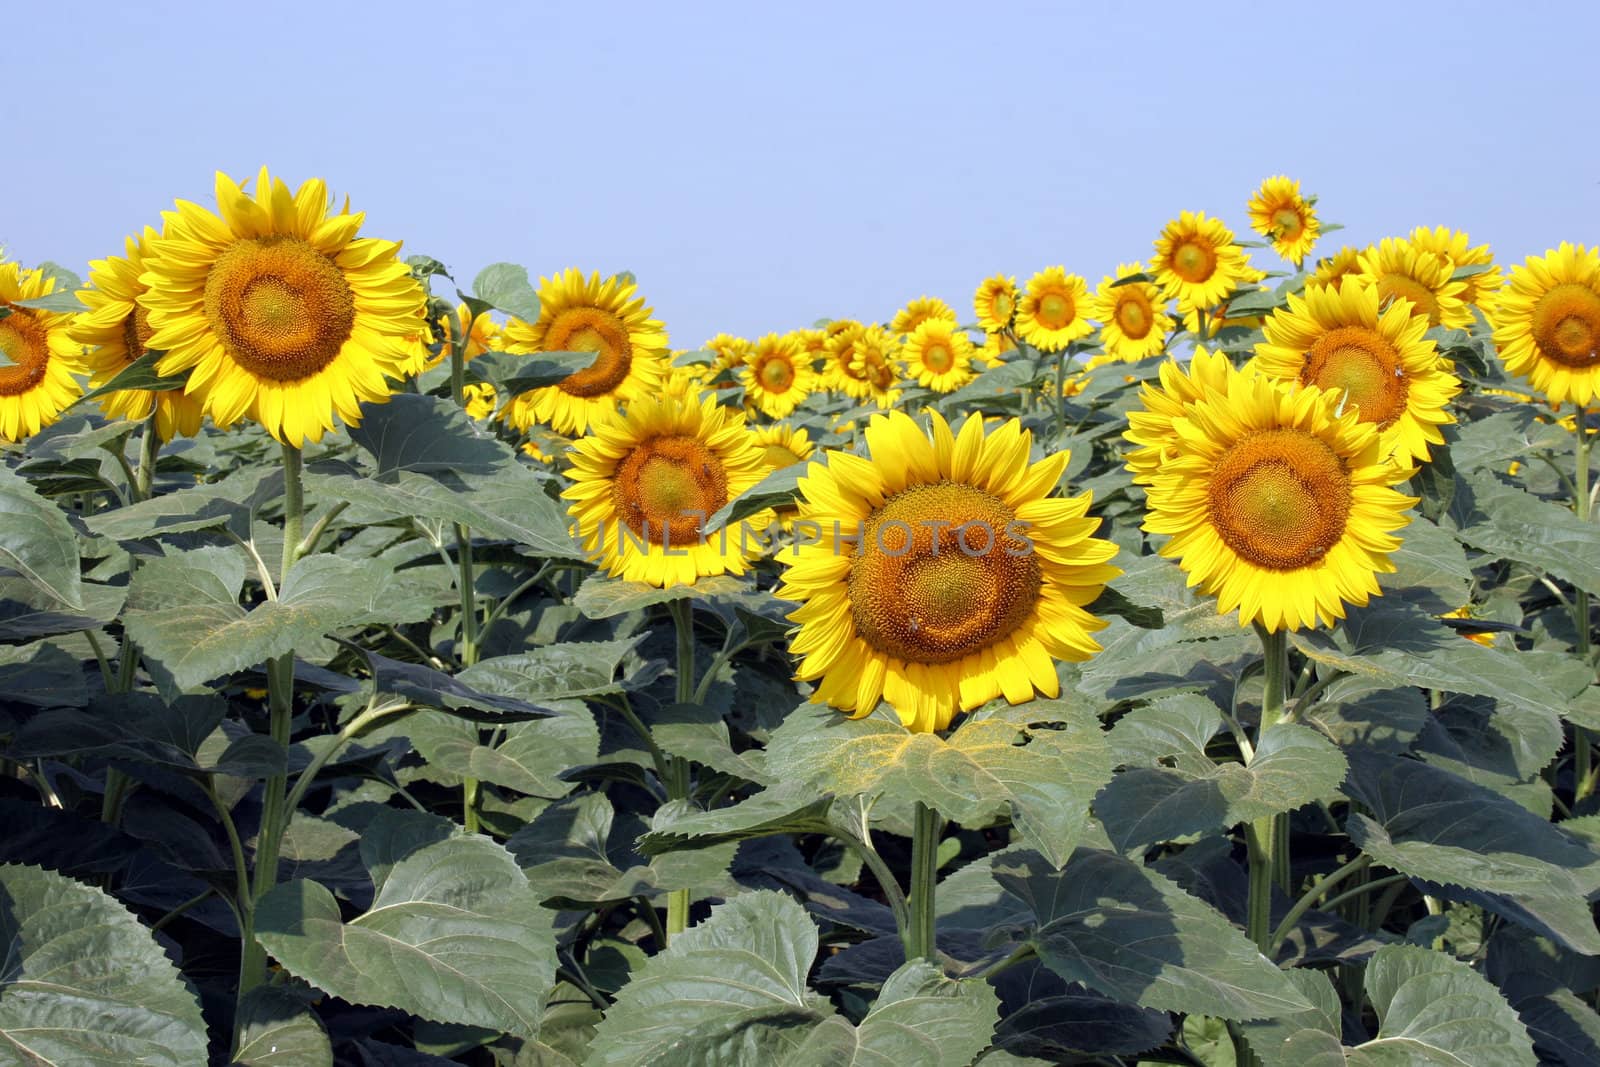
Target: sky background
[{"x": 759, "y": 166}]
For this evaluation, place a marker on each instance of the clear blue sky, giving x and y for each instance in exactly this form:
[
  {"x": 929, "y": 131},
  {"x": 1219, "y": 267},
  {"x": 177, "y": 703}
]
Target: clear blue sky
[{"x": 760, "y": 165}]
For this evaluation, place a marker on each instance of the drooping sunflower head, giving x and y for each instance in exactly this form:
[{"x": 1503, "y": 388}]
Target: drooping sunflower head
[
  {"x": 1547, "y": 323},
  {"x": 1132, "y": 314},
  {"x": 1331, "y": 270},
  {"x": 1280, "y": 214},
  {"x": 115, "y": 329},
  {"x": 645, "y": 481},
  {"x": 1455, "y": 249},
  {"x": 944, "y": 574},
  {"x": 1276, "y": 504},
  {"x": 778, "y": 375},
  {"x": 1402, "y": 271},
  {"x": 919, "y": 311},
  {"x": 576, "y": 314},
  {"x": 1054, "y": 311},
  {"x": 278, "y": 310},
  {"x": 875, "y": 364},
  {"x": 1150, "y": 427},
  {"x": 38, "y": 357},
  {"x": 995, "y": 302},
  {"x": 939, "y": 356},
  {"x": 1377, "y": 358},
  {"x": 1197, "y": 262}
]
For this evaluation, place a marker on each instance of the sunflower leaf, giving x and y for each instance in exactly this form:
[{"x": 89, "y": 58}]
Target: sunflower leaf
[
  {"x": 600, "y": 597},
  {"x": 505, "y": 287},
  {"x": 277, "y": 1029},
  {"x": 529, "y": 757},
  {"x": 920, "y": 1017},
  {"x": 776, "y": 490},
  {"x": 85, "y": 985},
  {"x": 783, "y": 809},
  {"x": 37, "y": 542},
  {"x": 139, "y": 375},
  {"x": 411, "y": 432},
  {"x": 1510, "y": 523}
]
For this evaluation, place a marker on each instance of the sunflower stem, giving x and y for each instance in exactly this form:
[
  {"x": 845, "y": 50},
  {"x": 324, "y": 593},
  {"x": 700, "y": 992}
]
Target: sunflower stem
[
  {"x": 1061, "y": 398},
  {"x": 682, "y": 611},
  {"x": 1265, "y": 839},
  {"x": 149, "y": 451},
  {"x": 921, "y": 937},
  {"x": 465, "y": 581},
  {"x": 1583, "y": 773}
]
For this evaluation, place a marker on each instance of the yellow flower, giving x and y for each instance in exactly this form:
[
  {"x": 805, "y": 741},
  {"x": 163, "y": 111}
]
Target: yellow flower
[
  {"x": 1379, "y": 360},
  {"x": 607, "y": 318},
  {"x": 840, "y": 346},
  {"x": 1053, "y": 311},
  {"x": 994, "y": 349},
  {"x": 645, "y": 481},
  {"x": 731, "y": 352},
  {"x": 1484, "y": 638},
  {"x": 1197, "y": 262},
  {"x": 995, "y": 302},
  {"x": 1402, "y": 271},
  {"x": 481, "y": 400},
  {"x": 783, "y": 445},
  {"x": 1133, "y": 315},
  {"x": 939, "y": 356},
  {"x": 38, "y": 358},
  {"x": 1454, "y": 248},
  {"x": 965, "y": 579},
  {"x": 873, "y": 363},
  {"x": 278, "y": 310},
  {"x": 922, "y": 309},
  {"x": 1150, "y": 427},
  {"x": 778, "y": 375},
  {"x": 814, "y": 343},
  {"x": 1280, "y": 214},
  {"x": 1331, "y": 270},
  {"x": 482, "y": 334},
  {"x": 1276, "y": 504},
  {"x": 115, "y": 328},
  {"x": 1547, "y": 323}
]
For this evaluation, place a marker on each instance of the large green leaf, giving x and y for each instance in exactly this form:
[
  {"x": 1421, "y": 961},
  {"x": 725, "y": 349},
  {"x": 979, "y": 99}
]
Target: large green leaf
[
  {"x": 412, "y": 432},
  {"x": 600, "y": 597},
  {"x": 277, "y": 1029},
  {"x": 84, "y": 984},
  {"x": 36, "y": 540},
  {"x": 505, "y": 287},
  {"x": 982, "y": 770},
  {"x": 1510, "y": 523},
  {"x": 528, "y": 757},
  {"x": 228, "y": 502},
  {"x": 1433, "y": 1011},
  {"x": 1434, "y": 825},
  {"x": 139, "y": 375},
  {"x": 555, "y": 672},
  {"x": 1126, "y": 931},
  {"x": 731, "y": 990},
  {"x": 784, "y": 809},
  {"x": 455, "y": 934},
  {"x": 776, "y": 490},
  {"x": 920, "y": 1017}
]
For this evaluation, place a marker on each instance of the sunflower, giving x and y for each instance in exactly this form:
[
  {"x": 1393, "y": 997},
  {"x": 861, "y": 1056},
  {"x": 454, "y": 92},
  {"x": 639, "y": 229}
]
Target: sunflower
[
  {"x": 1150, "y": 428},
  {"x": 115, "y": 327},
  {"x": 480, "y": 400},
  {"x": 873, "y": 363},
  {"x": 922, "y": 309},
  {"x": 1133, "y": 313},
  {"x": 1455, "y": 249},
  {"x": 645, "y": 481},
  {"x": 279, "y": 311},
  {"x": 1344, "y": 341},
  {"x": 1331, "y": 270},
  {"x": 730, "y": 352},
  {"x": 939, "y": 356},
  {"x": 995, "y": 302},
  {"x": 783, "y": 445},
  {"x": 1276, "y": 503},
  {"x": 1547, "y": 323},
  {"x": 1479, "y": 637},
  {"x": 607, "y": 318},
  {"x": 1053, "y": 312},
  {"x": 1197, "y": 262},
  {"x": 994, "y": 349},
  {"x": 841, "y": 349},
  {"x": 38, "y": 357},
  {"x": 1280, "y": 214},
  {"x": 686, "y": 380},
  {"x": 778, "y": 375},
  {"x": 482, "y": 334},
  {"x": 944, "y": 575},
  {"x": 814, "y": 343},
  {"x": 1404, "y": 271}
]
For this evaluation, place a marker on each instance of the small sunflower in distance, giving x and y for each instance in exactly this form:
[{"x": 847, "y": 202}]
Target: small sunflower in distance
[
  {"x": 731, "y": 352},
  {"x": 1150, "y": 428},
  {"x": 1402, "y": 271},
  {"x": 922, "y": 309},
  {"x": 278, "y": 310},
  {"x": 842, "y": 371},
  {"x": 783, "y": 445},
  {"x": 1053, "y": 311},
  {"x": 994, "y": 349},
  {"x": 1547, "y": 323},
  {"x": 607, "y": 318},
  {"x": 778, "y": 375},
  {"x": 482, "y": 334},
  {"x": 965, "y": 580},
  {"x": 645, "y": 480},
  {"x": 38, "y": 358},
  {"x": 481, "y": 400},
  {"x": 1455, "y": 248},
  {"x": 115, "y": 328},
  {"x": 1197, "y": 262},
  {"x": 995, "y": 302},
  {"x": 939, "y": 356},
  {"x": 1280, "y": 214},
  {"x": 1331, "y": 270},
  {"x": 814, "y": 343},
  {"x": 1345, "y": 341},
  {"x": 1133, "y": 315},
  {"x": 873, "y": 361},
  {"x": 1276, "y": 504}
]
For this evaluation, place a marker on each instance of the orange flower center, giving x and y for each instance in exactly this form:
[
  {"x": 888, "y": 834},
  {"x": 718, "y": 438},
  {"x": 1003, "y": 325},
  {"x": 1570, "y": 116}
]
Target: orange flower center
[
  {"x": 1363, "y": 364},
  {"x": 1566, "y": 325},
  {"x": 1134, "y": 316},
  {"x": 776, "y": 374},
  {"x": 591, "y": 329},
  {"x": 1056, "y": 309},
  {"x": 667, "y": 487},
  {"x": 25, "y": 344},
  {"x": 1193, "y": 260},
  {"x": 1280, "y": 498},
  {"x": 1394, "y": 286},
  {"x": 1288, "y": 223},
  {"x": 282, "y": 310}
]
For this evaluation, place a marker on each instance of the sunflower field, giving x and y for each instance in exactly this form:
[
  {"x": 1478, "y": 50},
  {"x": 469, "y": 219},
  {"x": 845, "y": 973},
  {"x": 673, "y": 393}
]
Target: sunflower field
[{"x": 1195, "y": 668}]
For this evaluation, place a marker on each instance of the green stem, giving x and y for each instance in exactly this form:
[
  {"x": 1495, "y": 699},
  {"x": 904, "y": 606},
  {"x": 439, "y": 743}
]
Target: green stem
[
  {"x": 1366, "y": 887},
  {"x": 886, "y": 882},
  {"x": 294, "y": 510},
  {"x": 1309, "y": 898},
  {"x": 1268, "y": 854},
  {"x": 465, "y": 582},
  {"x": 1584, "y": 774},
  {"x": 1018, "y": 955},
  {"x": 349, "y": 732},
  {"x": 921, "y": 937},
  {"x": 149, "y": 451},
  {"x": 682, "y": 611},
  {"x": 309, "y": 543},
  {"x": 1061, "y": 400}
]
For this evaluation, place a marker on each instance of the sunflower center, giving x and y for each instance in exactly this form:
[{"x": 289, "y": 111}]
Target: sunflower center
[
  {"x": 667, "y": 487},
  {"x": 1403, "y": 287},
  {"x": 937, "y": 357},
  {"x": 1055, "y": 310},
  {"x": 282, "y": 309},
  {"x": 1194, "y": 261},
  {"x": 591, "y": 329},
  {"x": 1365, "y": 366},
  {"x": 25, "y": 346},
  {"x": 1280, "y": 498},
  {"x": 1001, "y": 307},
  {"x": 1288, "y": 223},
  {"x": 1133, "y": 316},
  {"x": 136, "y": 332},
  {"x": 940, "y": 574},
  {"x": 879, "y": 373},
  {"x": 1566, "y": 325},
  {"x": 777, "y": 375}
]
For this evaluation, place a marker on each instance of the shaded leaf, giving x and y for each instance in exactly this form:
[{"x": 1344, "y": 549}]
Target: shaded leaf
[
  {"x": 920, "y": 1017},
  {"x": 412, "y": 432},
  {"x": 37, "y": 542},
  {"x": 277, "y": 1029}
]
